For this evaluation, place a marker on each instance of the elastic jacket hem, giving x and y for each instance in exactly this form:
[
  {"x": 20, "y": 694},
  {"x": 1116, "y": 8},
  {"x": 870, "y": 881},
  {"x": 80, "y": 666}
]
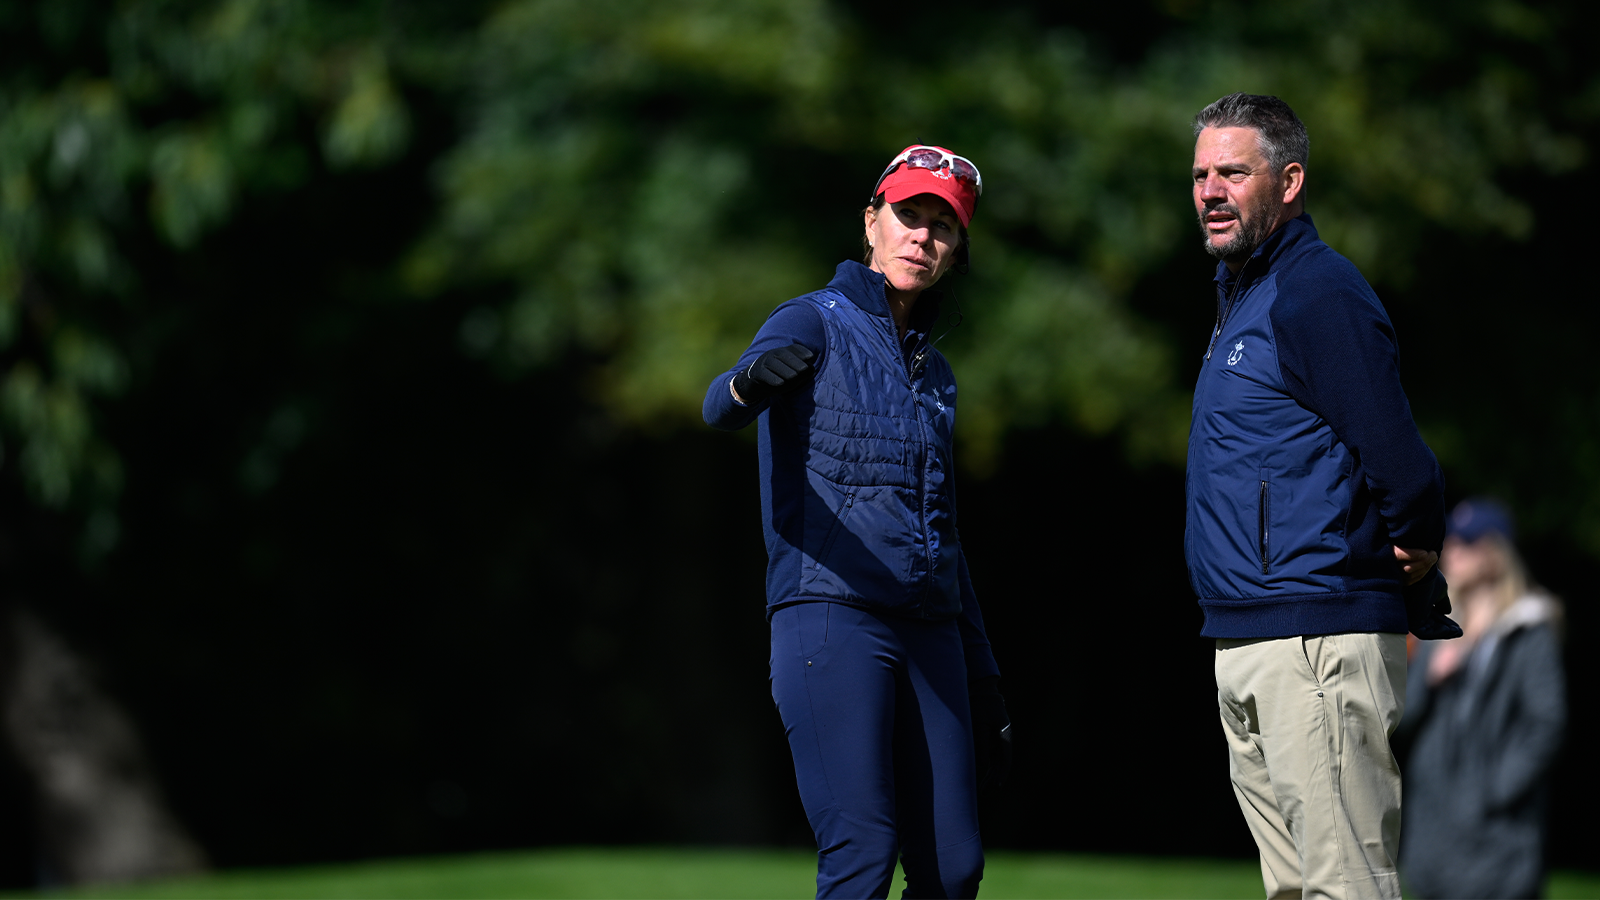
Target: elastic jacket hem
[{"x": 1289, "y": 615}]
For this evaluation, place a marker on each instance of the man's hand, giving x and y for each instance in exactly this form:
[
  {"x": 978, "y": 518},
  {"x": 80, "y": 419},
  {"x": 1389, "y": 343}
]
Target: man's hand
[
  {"x": 1428, "y": 608},
  {"x": 1414, "y": 564},
  {"x": 1426, "y": 595},
  {"x": 773, "y": 372}
]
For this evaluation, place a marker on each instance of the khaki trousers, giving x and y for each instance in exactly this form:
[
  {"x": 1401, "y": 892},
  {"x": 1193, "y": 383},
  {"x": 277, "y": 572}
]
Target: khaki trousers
[{"x": 1308, "y": 721}]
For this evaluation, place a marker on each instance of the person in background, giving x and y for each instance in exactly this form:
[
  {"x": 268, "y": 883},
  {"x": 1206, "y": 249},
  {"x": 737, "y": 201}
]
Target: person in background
[
  {"x": 1484, "y": 721},
  {"x": 881, "y": 669}
]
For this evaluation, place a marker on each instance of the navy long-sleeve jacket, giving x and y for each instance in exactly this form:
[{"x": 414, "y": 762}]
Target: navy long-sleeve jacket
[
  {"x": 1305, "y": 468},
  {"x": 857, "y": 480}
]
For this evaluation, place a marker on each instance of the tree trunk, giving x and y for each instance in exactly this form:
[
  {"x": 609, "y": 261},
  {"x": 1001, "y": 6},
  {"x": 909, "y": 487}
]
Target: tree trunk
[{"x": 101, "y": 817}]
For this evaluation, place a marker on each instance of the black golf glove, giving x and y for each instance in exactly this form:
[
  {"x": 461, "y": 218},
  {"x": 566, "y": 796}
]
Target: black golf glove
[
  {"x": 774, "y": 372},
  {"x": 1427, "y": 602},
  {"x": 991, "y": 732}
]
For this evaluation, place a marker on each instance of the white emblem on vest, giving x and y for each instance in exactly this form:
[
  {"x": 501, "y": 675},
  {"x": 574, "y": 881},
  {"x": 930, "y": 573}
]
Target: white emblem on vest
[{"x": 1237, "y": 354}]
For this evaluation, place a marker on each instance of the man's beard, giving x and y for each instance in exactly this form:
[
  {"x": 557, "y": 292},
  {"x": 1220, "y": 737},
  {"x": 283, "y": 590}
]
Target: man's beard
[{"x": 1251, "y": 233}]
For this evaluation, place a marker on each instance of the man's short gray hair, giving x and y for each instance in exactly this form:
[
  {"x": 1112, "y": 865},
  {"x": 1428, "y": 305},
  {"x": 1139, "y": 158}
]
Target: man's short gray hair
[{"x": 1279, "y": 131}]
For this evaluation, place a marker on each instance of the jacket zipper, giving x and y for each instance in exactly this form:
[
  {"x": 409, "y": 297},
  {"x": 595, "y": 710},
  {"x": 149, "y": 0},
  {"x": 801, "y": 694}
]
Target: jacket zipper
[
  {"x": 1227, "y": 308},
  {"x": 911, "y": 366}
]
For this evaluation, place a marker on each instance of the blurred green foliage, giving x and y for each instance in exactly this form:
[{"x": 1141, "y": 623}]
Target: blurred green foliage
[
  {"x": 649, "y": 177},
  {"x": 639, "y": 182},
  {"x": 140, "y": 122}
]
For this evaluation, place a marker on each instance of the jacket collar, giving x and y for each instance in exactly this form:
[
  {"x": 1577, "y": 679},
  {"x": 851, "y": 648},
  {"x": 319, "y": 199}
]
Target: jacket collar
[
  {"x": 1294, "y": 233},
  {"x": 867, "y": 289}
]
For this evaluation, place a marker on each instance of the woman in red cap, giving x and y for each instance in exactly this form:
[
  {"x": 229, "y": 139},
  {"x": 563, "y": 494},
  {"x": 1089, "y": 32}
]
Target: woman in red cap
[{"x": 881, "y": 670}]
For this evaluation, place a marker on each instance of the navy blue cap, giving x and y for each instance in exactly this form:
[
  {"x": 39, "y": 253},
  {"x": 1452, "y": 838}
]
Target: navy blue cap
[{"x": 1477, "y": 517}]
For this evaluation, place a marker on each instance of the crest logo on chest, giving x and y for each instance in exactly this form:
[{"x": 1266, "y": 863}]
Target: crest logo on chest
[{"x": 1237, "y": 354}]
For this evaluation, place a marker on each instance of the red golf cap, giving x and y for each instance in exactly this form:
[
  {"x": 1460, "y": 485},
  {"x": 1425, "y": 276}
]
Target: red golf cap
[{"x": 908, "y": 181}]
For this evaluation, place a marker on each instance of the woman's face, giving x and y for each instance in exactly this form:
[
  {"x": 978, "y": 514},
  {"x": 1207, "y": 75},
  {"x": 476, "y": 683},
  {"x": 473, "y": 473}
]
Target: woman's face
[
  {"x": 1468, "y": 565},
  {"x": 913, "y": 241}
]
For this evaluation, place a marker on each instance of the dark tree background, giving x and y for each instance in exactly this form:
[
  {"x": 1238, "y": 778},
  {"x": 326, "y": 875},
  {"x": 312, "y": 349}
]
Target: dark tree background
[{"x": 351, "y": 357}]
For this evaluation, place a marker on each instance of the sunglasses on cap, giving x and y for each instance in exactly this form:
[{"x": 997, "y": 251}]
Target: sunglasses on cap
[{"x": 935, "y": 159}]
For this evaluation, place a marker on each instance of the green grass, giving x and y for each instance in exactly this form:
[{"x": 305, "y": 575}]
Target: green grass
[{"x": 655, "y": 872}]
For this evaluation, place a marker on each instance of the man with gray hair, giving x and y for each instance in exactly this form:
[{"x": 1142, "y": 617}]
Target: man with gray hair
[{"x": 1315, "y": 516}]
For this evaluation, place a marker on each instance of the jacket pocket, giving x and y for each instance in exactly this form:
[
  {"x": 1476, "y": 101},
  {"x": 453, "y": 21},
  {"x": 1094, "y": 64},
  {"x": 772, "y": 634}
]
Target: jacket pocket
[
  {"x": 837, "y": 526},
  {"x": 1263, "y": 525}
]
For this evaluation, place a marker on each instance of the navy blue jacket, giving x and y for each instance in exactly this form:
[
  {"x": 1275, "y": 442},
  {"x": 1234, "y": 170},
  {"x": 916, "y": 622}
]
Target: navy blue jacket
[
  {"x": 857, "y": 493},
  {"x": 1305, "y": 467}
]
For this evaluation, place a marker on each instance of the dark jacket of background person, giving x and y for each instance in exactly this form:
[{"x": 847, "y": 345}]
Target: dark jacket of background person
[
  {"x": 1305, "y": 467},
  {"x": 1482, "y": 744},
  {"x": 867, "y": 517}
]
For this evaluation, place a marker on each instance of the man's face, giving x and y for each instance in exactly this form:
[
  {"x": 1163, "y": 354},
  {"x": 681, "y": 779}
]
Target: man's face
[{"x": 1238, "y": 198}]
